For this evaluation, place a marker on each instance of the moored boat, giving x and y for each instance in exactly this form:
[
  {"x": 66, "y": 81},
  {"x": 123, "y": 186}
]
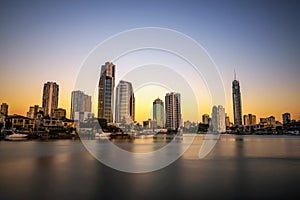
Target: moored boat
[
  {"x": 102, "y": 135},
  {"x": 10, "y": 135}
]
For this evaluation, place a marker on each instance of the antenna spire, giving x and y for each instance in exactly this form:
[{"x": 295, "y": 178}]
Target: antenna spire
[{"x": 234, "y": 75}]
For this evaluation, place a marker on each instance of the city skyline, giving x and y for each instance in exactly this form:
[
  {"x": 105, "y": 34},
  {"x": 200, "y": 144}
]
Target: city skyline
[
  {"x": 32, "y": 109},
  {"x": 261, "y": 43},
  {"x": 160, "y": 99}
]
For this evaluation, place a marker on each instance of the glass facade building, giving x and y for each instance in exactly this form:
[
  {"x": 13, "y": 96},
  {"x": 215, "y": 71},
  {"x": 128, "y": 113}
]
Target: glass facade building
[
  {"x": 237, "y": 103},
  {"x": 106, "y": 92},
  {"x": 158, "y": 112},
  {"x": 125, "y": 103}
]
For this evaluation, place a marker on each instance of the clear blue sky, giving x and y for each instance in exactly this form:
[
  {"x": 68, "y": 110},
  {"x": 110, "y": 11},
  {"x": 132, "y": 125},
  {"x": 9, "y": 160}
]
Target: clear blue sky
[{"x": 48, "y": 40}]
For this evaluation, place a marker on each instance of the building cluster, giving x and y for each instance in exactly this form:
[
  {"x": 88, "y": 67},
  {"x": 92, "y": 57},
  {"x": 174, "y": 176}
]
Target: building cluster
[
  {"x": 122, "y": 104},
  {"x": 49, "y": 117},
  {"x": 117, "y": 107},
  {"x": 220, "y": 122},
  {"x": 217, "y": 122}
]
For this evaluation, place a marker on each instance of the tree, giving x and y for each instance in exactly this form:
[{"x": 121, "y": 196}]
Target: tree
[
  {"x": 102, "y": 122},
  {"x": 203, "y": 127}
]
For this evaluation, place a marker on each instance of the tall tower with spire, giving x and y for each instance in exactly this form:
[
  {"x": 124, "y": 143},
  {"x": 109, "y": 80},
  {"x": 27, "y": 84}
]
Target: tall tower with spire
[{"x": 237, "y": 102}]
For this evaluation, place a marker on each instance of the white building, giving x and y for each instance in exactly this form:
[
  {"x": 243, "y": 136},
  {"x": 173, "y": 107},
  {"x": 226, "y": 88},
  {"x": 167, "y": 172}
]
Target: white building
[
  {"x": 80, "y": 102},
  {"x": 218, "y": 119},
  {"x": 124, "y": 112}
]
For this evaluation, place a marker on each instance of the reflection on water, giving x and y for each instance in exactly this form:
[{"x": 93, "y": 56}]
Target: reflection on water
[
  {"x": 239, "y": 167},
  {"x": 138, "y": 155},
  {"x": 143, "y": 145}
]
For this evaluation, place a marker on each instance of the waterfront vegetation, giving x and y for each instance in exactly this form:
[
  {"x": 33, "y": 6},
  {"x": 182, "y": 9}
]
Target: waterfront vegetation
[{"x": 52, "y": 128}]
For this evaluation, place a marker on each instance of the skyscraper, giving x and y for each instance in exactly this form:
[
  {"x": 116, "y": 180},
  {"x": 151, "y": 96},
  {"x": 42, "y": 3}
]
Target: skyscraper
[
  {"x": 221, "y": 119},
  {"x": 218, "y": 119},
  {"x": 173, "y": 111},
  {"x": 33, "y": 111},
  {"x": 124, "y": 111},
  {"x": 50, "y": 97},
  {"x": 237, "y": 104},
  {"x": 252, "y": 119},
  {"x": 286, "y": 118},
  {"x": 80, "y": 102},
  {"x": 249, "y": 119},
  {"x": 106, "y": 92},
  {"x": 158, "y": 112},
  {"x": 88, "y": 103},
  {"x": 4, "y": 109},
  {"x": 246, "y": 120}
]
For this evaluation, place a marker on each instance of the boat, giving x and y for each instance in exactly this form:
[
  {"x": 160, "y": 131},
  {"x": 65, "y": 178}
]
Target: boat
[
  {"x": 296, "y": 132},
  {"x": 11, "y": 135},
  {"x": 144, "y": 134},
  {"x": 102, "y": 135}
]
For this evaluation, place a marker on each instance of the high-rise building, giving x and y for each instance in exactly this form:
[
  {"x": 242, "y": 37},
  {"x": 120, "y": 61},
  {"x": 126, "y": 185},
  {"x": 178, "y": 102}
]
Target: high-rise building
[
  {"x": 34, "y": 111},
  {"x": 88, "y": 103},
  {"x": 252, "y": 119},
  {"x": 205, "y": 118},
  {"x": 249, "y": 119},
  {"x": 106, "y": 92},
  {"x": 246, "y": 120},
  {"x": 125, "y": 102},
  {"x": 173, "y": 111},
  {"x": 286, "y": 118},
  {"x": 50, "y": 98},
  {"x": 158, "y": 112},
  {"x": 218, "y": 119},
  {"x": 80, "y": 102},
  {"x": 237, "y": 102},
  {"x": 4, "y": 109},
  {"x": 30, "y": 112}
]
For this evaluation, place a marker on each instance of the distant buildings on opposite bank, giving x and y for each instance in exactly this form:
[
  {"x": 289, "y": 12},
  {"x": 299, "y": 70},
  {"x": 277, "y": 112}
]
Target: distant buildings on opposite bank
[{"x": 117, "y": 107}]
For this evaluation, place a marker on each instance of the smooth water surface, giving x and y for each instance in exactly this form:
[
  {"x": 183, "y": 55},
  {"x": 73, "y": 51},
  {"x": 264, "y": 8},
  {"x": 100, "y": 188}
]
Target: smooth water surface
[{"x": 239, "y": 167}]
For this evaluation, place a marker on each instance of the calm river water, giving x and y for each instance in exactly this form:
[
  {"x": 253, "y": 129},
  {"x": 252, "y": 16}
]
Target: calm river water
[{"x": 238, "y": 167}]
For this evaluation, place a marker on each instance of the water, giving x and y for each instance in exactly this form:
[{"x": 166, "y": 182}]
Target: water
[{"x": 239, "y": 167}]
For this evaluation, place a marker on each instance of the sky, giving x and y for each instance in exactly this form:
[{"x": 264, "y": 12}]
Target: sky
[{"x": 44, "y": 41}]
